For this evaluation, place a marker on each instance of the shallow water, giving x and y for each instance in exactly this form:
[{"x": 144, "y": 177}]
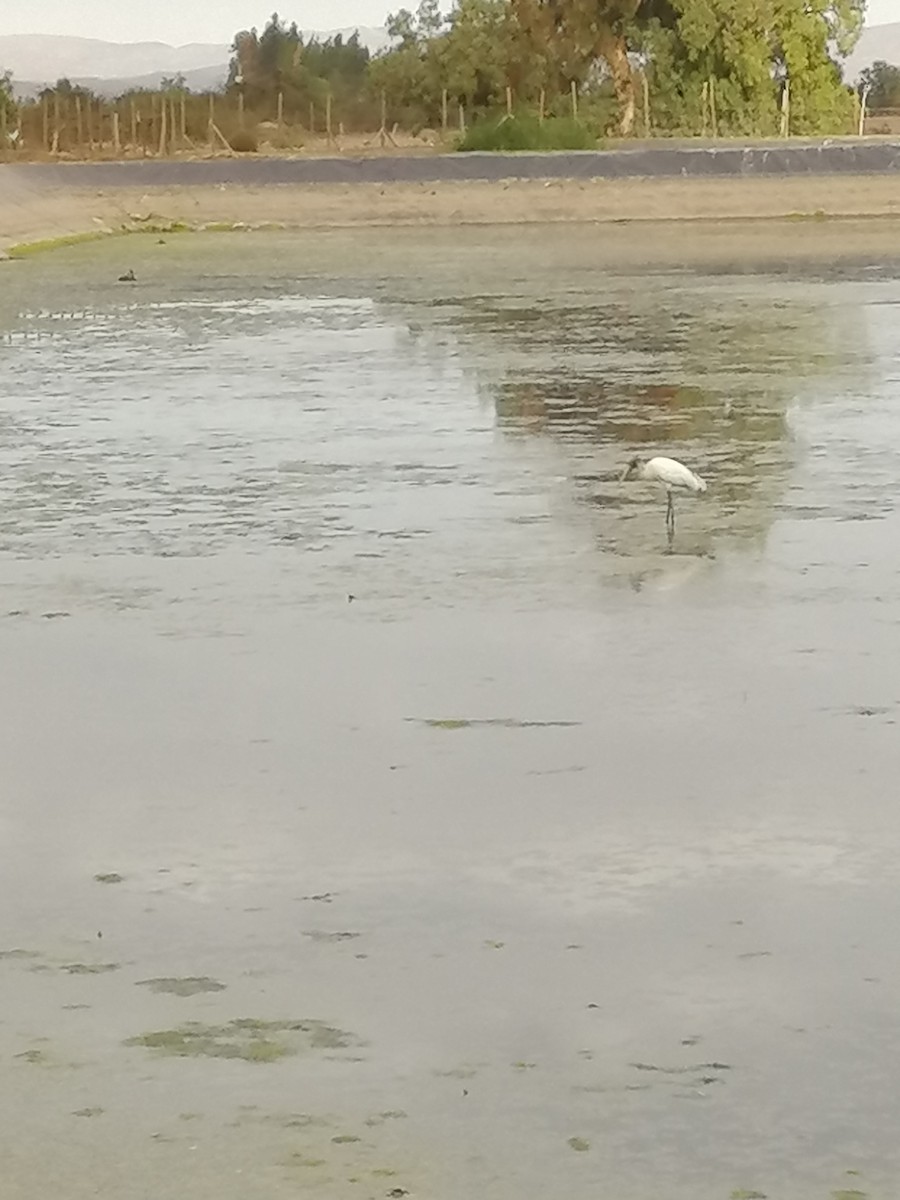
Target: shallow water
[{"x": 535, "y": 856}]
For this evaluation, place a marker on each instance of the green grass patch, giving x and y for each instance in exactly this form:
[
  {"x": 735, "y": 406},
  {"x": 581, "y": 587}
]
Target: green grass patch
[{"x": 527, "y": 133}]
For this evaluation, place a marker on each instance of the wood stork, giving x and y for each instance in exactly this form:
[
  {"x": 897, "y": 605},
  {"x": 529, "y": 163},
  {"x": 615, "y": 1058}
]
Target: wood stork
[{"x": 671, "y": 474}]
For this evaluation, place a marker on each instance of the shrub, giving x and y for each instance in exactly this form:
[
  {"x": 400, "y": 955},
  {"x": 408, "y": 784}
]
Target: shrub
[
  {"x": 526, "y": 132},
  {"x": 244, "y": 141}
]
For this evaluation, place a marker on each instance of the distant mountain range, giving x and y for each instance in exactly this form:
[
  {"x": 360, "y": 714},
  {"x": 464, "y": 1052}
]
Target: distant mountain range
[
  {"x": 877, "y": 42},
  {"x": 109, "y": 68}
]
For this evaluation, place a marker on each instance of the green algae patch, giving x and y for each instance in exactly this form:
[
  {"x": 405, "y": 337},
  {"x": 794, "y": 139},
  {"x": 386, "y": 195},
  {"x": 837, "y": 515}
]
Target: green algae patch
[
  {"x": 245, "y": 1038},
  {"x": 579, "y": 1144},
  {"x": 191, "y": 985},
  {"x": 35, "y": 1057},
  {"x": 747, "y": 1194},
  {"x": 89, "y": 968},
  {"x": 393, "y": 1114},
  {"x": 490, "y": 722},
  {"x": 109, "y": 877},
  {"x": 26, "y": 249},
  {"x": 323, "y": 935}
]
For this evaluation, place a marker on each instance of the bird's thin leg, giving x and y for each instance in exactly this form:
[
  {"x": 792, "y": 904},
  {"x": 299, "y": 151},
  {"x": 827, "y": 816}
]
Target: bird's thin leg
[{"x": 670, "y": 514}]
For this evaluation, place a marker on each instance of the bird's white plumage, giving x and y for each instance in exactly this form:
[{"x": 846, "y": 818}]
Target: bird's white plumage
[{"x": 672, "y": 474}]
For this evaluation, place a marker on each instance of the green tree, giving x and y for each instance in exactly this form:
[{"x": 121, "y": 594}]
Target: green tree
[
  {"x": 583, "y": 32},
  {"x": 882, "y": 82},
  {"x": 803, "y": 34},
  {"x": 474, "y": 57},
  {"x": 722, "y": 45},
  {"x": 7, "y": 99},
  {"x": 409, "y": 28},
  {"x": 409, "y": 75},
  {"x": 278, "y": 62},
  {"x": 744, "y": 50},
  {"x": 263, "y": 63}
]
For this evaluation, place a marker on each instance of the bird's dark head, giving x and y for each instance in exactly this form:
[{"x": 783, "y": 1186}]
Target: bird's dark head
[{"x": 632, "y": 469}]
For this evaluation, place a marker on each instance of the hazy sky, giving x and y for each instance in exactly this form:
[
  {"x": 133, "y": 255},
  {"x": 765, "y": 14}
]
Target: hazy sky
[{"x": 180, "y": 21}]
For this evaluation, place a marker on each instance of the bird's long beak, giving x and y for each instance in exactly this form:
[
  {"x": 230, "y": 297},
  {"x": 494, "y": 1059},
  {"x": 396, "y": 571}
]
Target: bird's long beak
[{"x": 624, "y": 474}]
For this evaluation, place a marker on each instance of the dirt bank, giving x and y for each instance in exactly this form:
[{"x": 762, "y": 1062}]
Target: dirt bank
[{"x": 29, "y": 214}]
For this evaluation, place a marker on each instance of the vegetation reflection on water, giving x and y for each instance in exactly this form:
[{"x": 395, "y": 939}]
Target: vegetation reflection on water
[{"x": 193, "y": 414}]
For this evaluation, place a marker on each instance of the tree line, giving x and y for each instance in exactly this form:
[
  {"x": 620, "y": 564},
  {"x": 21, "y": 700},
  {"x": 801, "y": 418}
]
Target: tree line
[
  {"x": 684, "y": 66},
  {"x": 624, "y": 67}
]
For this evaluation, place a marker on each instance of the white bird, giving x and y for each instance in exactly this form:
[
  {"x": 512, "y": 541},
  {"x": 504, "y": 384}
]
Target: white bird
[{"x": 671, "y": 474}]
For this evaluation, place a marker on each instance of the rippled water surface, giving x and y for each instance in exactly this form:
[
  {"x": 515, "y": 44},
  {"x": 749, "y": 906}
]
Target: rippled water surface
[{"x": 387, "y": 804}]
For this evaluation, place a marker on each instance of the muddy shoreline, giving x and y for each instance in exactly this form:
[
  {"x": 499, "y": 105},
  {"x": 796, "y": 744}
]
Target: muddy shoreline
[{"x": 41, "y": 204}]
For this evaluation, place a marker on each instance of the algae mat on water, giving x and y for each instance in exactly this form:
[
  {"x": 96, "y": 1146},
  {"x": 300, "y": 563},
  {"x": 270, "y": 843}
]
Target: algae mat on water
[
  {"x": 190, "y": 985},
  {"x": 490, "y": 722},
  {"x": 245, "y": 1038}
]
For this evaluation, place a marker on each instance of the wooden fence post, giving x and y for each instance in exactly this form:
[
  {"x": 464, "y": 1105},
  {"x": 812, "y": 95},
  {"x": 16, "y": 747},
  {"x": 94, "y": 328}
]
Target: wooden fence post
[
  {"x": 444, "y": 114},
  {"x": 163, "y": 132},
  {"x": 704, "y": 103},
  {"x": 280, "y": 109},
  {"x": 574, "y": 100},
  {"x": 646, "y": 87},
  {"x": 786, "y": 108},
  {"x": 713, "y": 116}
]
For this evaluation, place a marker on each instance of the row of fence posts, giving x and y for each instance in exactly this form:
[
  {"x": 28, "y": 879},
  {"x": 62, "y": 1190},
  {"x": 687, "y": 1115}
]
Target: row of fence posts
[{"x": 166, "y": 128}]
